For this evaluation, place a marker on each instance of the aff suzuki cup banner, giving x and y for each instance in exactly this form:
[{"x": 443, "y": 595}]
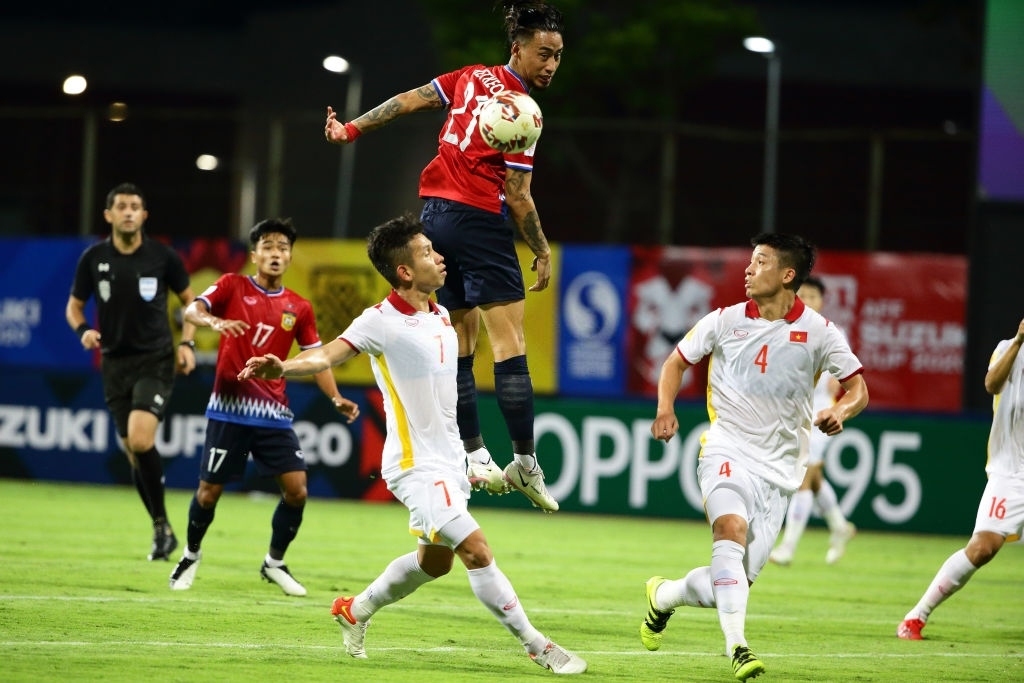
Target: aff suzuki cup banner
[
  {"x": 34, "y": 286},
  {"x": 904, "y": 315},
  {"x": 618, "y": 312}
]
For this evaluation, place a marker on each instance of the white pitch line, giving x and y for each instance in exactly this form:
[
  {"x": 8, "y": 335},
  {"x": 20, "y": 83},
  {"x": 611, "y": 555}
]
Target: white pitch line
[
  {"x": 193, "y": 599},
  {"x": 697, "y": 616},
  {"x": 449, "y": 649}
]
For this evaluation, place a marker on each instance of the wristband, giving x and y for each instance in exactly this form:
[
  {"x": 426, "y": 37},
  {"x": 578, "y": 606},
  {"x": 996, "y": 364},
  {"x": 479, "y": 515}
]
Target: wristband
[
  {"x": 189, "y": 343},
  {"x": 82, "y": 329},
  {"x": 352, "y": 132}
]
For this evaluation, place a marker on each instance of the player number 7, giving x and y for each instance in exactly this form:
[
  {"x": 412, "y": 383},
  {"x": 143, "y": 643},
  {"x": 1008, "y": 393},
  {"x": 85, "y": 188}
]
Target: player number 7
[{"x": 444, "y": 487}]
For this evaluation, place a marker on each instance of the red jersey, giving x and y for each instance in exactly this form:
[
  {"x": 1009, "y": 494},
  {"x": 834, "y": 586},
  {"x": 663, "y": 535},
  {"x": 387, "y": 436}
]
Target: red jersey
[
  {"x": 276, "y": 319},
  {"x": 467, "y": 169}
]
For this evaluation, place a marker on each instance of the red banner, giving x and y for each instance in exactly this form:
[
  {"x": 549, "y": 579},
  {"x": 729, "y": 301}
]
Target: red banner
[{"x": 903, "y": 313}]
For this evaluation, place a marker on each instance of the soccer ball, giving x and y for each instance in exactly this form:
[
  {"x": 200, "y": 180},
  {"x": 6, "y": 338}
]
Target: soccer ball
[{"x": 510, "y": 122}]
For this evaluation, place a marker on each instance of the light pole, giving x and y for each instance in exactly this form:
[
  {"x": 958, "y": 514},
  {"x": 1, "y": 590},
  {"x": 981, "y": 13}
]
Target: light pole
[
  {"x": 74, "y": 85},
  {"x": 347, "y": 158},
  {"x": 771, "y": 126}
]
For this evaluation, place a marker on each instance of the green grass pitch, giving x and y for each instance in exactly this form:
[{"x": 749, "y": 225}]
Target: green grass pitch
[{"x": 79, "y": 601}]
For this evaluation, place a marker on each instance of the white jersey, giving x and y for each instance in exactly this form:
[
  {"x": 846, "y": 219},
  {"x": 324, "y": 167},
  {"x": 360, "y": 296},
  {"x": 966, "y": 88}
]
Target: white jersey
[
  {"x": 761, "y": 380},
  {"x": 823, "y": 398},
  {"x": 414, "y": 356},
  {"x": 1006, "y": 438}
]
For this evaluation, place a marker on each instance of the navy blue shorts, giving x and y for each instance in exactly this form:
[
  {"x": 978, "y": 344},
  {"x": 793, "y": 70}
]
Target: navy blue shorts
[
  {"x": 228, "y": 445},
  {"x": 479, "y": 250}
]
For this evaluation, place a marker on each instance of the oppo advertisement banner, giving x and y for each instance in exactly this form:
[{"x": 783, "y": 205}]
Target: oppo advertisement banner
[
  {"x": 903, "y": 313},
  {"x": 910, "y": 474},
  {"x": 890, "y": 473}
]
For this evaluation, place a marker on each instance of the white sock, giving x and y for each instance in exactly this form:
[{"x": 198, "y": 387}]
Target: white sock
[
  {"x": 271, "y": 562},
  {"x": 528, "y": 461},
  {"x": 797, "y": 514},
  {"x": 481, "y": 456},
  {"x": 399, "y": 579},
  {"x": 952, "y": 575},
  {"x": 693, "y": 590},
  {"x": 731, "y": 590},
  {"x": 829, "y": 504},
  {"x": 495, "y": 591}
]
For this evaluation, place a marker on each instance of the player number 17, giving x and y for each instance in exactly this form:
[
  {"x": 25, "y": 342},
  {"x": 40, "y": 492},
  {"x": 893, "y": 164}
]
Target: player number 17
[{"x": 261, "y": 334}]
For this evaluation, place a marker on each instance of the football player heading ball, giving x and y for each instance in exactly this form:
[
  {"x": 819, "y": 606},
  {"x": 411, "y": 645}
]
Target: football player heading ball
[{"x": 469, "y": 189}]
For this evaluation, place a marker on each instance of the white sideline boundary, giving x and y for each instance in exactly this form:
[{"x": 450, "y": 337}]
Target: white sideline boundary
[{"x": 447, "y": 649}]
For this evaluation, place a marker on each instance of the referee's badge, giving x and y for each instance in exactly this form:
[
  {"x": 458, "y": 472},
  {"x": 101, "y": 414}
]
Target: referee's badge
[
  {"x": 287, "y": 321},
  {"x": 147, "y": 288}
]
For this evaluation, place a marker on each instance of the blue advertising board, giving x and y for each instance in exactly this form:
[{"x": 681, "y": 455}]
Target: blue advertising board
[
  {"x": 34, "y": 287},
  {"x": 592, "y": 320}
]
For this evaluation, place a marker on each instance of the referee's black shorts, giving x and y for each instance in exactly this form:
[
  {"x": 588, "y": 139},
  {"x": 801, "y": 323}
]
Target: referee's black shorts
[{"x": 141, "y": 381}]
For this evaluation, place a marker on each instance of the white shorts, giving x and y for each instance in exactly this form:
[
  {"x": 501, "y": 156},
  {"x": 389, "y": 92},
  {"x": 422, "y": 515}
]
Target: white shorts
[
  {"x": 1001, "y": 509},
  {"x": 818, "y": 444},
  {"x": 728, "y": 488},
  {"x": 438, "y": 510}
]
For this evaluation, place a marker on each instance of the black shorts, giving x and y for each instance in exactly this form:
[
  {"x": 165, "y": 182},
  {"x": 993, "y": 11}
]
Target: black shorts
[
  {"x": 229, "y": 444},
  {"x": 479, "y": 250},
  {"x": 138, "y": 382}
]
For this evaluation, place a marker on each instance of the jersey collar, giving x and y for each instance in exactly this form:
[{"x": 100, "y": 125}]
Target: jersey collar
[
  {"x": 403, "y": 306},
  {"x": 268, "y": 292},
  {"x": 519, "y": 78},
  {"x": 795, "y": 312}
]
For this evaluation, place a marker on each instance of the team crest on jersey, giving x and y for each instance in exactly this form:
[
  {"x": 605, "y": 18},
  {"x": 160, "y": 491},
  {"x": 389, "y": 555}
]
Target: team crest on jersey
[
  {"x": 740, "y": 334},
  {"x": 798, "y": 336},
  {"x": 250, "y": 300},
  {"x": 147, "y": 288},
  {"x": 287, "y": 321},
  {"x": 103, "y": 288}
]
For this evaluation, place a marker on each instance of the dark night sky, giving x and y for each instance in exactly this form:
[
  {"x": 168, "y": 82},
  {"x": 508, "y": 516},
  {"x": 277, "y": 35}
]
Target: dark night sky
[{"x": 867, "y": 64}]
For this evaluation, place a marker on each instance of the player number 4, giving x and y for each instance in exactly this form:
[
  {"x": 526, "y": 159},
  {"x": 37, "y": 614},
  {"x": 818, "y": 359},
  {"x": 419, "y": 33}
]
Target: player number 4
[{"x": 761, "y": 359}]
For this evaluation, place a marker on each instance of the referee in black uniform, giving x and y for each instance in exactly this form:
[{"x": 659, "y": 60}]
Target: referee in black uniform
[{"x": 129, "y": 276}]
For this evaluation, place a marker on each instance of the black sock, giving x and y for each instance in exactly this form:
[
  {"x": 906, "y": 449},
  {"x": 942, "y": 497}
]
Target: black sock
[
  {"x": 285, "y": 525},
  {"x": 151, "y": 473},
  {"x": 199, "y": 520},
  {"x": 466, "y": 414},
  {"x": 514, "y": 390},
  {"x": 137, "y": 481}
]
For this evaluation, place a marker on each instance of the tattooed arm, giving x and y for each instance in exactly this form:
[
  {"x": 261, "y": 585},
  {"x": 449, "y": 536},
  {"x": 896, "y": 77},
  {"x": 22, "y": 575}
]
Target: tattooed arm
[
  {"x": 419, "y": 99},
  {"x": 524, "y": 213}
]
